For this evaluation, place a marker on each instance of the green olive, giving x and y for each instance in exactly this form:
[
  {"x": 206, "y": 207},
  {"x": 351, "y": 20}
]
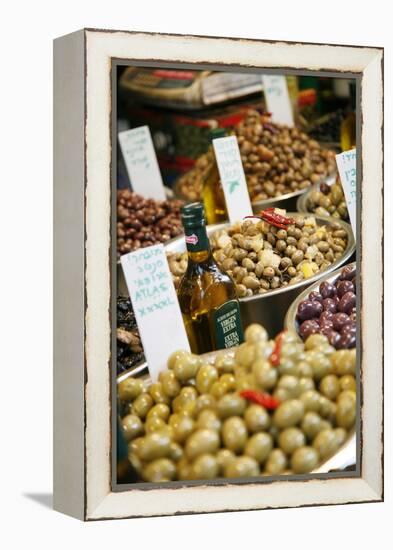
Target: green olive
[
  {"x": 224, "y": 457},
  {"x": 290, "y": 383},
  {"x": 208, "y": 419},
  {"x": 255, "y": 333},
  {"x": 287, "y": 366},
  {"x": 186, "y": 367},
  {"x": 347, "y": 382},
  {"x": 231, "y": 404},
  {"x": 304, "y": 369},
  {"x": 201, "y": 442},
  {"x": 245, "y": 382},
  {"x": 142, "y": 405},
  {"x": 327, "y": 408},
  {"x": 282, "y": 394},
  {"x": 344, "y": 362},
  {"x": 175, "y": 356},
  {"x": 161, "y": 410},
  {"x": 242, "y": 466},
  {"x": 183, "y": 468},
  {"x": 161, "y": 469},
  {"x": 346, "y": 411},
  {"x": 259, "y": 446},
  {"x": 205, "y": 378},
  {"x": 326, "y": 443},
  {"x": 154, "y": 445},
  {"x": 218, "y": 389},
  {"x": 245, "y": 355},
  {"x": 304, "y": 460},
  {"x": 228, "y": 380},
  {"x": 306, "y": 383},
  {"x": 315, "y": 341},
  {"x": 129, "y": 389},
  {"x": 170, "y": 384},
  {"x": 234, "y": 434},
  {"x": 311, "y": 400},
  {"x": 225, "y": 363},
  {"x": 134, "y": 446},
  {"x": 205, "y": 466},
  {"x": 185, "y": 401},
  {"x": 182, "y": 426},
  {"x": 257, "y": 418},
  {"x": 341, "y": 436},
  {"x": 291, "y": 439},
  {"x": 311, "y": 424},
  {"x": 265, "y": 375},
  {"x": 288, "y": 413},
  {"x": 158, "y": 394},
  {"x": 175, "y": 451},
  {"x": 154, "y": 424},
  {"x": 132, "y": 426},
  {"x": 329, "y": 386},
  {"x": 320, "y": 364},
  {"x": 205, "y": 401},
  {"x": 276, "y": 462}
]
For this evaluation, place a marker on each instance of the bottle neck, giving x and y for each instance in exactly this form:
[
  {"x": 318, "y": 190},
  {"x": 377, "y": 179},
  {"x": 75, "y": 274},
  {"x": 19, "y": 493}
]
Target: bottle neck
[{"x": 197, "y": 242}]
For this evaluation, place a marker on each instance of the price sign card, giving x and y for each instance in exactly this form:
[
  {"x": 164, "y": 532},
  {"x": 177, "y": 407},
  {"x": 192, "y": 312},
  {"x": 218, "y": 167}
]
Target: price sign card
[
  {"x": 346, "y": 164},
  {"x": 232, "y": 177},
  {"x": 277, "y": 99},
  {"x": 141, "y": 162},
  {"x": 155, "y": 305}
]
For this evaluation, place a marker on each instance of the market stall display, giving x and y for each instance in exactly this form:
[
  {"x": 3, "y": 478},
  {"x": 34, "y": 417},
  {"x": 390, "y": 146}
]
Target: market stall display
[
  {"x": 328, "y": 308},
  {"x": 325, "y": 200},
  {"x": 129, "y": 346},
  {"x": 271, "y": 407}
]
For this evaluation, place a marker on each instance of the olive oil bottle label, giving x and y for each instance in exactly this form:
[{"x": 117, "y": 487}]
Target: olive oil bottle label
[
  {"x": 197, "y": 239},
  {"x": 227, "y": 325}
]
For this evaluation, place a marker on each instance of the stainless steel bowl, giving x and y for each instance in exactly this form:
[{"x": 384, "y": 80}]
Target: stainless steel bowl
[{"x": 290, "y": 321}]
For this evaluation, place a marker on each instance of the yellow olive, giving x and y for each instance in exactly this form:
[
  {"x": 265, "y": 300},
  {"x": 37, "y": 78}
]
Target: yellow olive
[
  {"x": 242, "y": 466},
  {"x": 329, "y": 386},
  {"x": 154, "y": 424},
  {"x": 347, "y": 382},
  {"x": 205, "y": 378},
  {"x": 265, "y": 375},
  {"x": 225, "y": 363},
  {"x": 346, "y": 410},
  {"x": 185, "y": 367},
  {"x": 183, "y": 426},
  {"x": 290, "y": 383},
  {"x": 175, "y": 356},
  {"x": 183, "y": 469},
  {"x": 205, "y": 466},
  {"x": 129, "y": 389},
  {"x": 234, "y": 434},
  {"x": 154, "y": 445},
  {"x": 158, "y": 394},
  {"x": 259, "y": 446},
  {"x": 304, "y": 460},
  {"x": 169, "y": 382},
  {"x": 326, "y": 443},
  {"x": 161, "y": 410},
  {"x": 231, "y": 404},
  {"x": 203, "y": 402},
  {"x": 208, "y": 419},
  {"x": 142, "y": 405},
  {"x": 276, "y": 462},
  {"x": 291, "y": 439},
  {"x": 132, "y": 426},
  {"x": 344, "y": 362},
  {"x": 224, "y": 457},
  {"x": 311, "y": 424},
  {"x": 288, "y": 413},
  {"x": 201, "y": 442},
  {"x": 255, "y": 333},
  {"x": 341, "y": 436},
  {"x": 229, "y": 380},
  {"x": 218, "y": 389},
  {"x": 175, "y": 451},
  {"x": 245, "y": 355},
  {"x": 311, "y": 400},
  {"x": 315, "y": 341},
  {"x": 257, "y": 418},
  {"x": 161, "y": 469}
]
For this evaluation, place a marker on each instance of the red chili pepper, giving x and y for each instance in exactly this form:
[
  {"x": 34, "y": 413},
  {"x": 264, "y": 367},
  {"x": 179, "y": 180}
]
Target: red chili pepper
[
  {"x": 269, "y": 215},
  {"x": 260, "y": 398},
  {"x": 275, "y": 356}
]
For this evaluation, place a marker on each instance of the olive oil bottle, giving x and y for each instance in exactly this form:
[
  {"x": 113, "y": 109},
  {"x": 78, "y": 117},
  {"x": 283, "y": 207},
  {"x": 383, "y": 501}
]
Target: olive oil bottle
[
  {"x": 212, "y": 192},
  {"x": 348, "y": 125},
  {"x": 207, "y": 296}
]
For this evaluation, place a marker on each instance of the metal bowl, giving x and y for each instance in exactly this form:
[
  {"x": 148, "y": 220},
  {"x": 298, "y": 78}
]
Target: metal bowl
[
  {"x": 344, "y": 458},
  {"x": 290, "y": 321},
  {"x": 269, "y": 309}
]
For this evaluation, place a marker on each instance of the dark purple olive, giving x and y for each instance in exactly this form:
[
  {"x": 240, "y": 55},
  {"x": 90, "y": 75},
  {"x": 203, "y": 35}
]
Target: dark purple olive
[
  {"x": 329, "y": 304},
  {"x": 339, "y": 320},
  {"x": 308, "y": 327},
  {"x": 347, "y": 302},
  {"x": 347, "y": 340},
  {"x": 326, "y": 324},
  {"x": 325, "y": 316},
  {"x": 343, "y": 287},
  {"x": 315, "y": 296},
  {"x": 327, "y": 290},
  {"x": 308, "y": 309},
  {"x": 349, "y": 327},
  {"x": 348, "y": 273},
  {"x": 334, "y": 338}
]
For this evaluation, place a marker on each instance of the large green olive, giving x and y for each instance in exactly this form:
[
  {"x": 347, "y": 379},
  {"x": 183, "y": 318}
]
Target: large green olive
[
  {"x": 346, "y": 410},
  {"x": 161, "y": 469},
  {"x": 231, "y": 404},
  {"x": 291, "y": 439},
  {"x": 259, "y": 446},
  {"x": 204, "y": 402},
  {"x": 169, "y": 382},
  {"x": 175, "y": 451},
  {"x": 154, "y": 445},
  {"x": 186, "y": 367},
  {"x": 158, "y": 394},
  {"x": 329, "y": 386},
  {"x": 276, "y": 462},
  {"x": 234, "y": 434},
  {"x": 154, "y": 424},
  {"x": 347, "y": 382},
  {"x": 311, "y": 424},
  {"x": 315, "y": 341},
  {"x": 242, "y": 466},
  {"x": 288, "y": 413},
  {"x": 225, "y": 363},
  {"x": 201, "y": 442},
  {"x": 175, "y": 356},
  {"x": 327, "y": 409},
  {"x": 245, "y": 355},
  {"x": 255, "y": 333},
  {"x": 311, "y": 400},
  {"x": 142, "y": 405},
  {"x": 257, "y": 418},
  {"x": 132, "y": 426},
  {"x": 326, "y": 443},
  {"x": 344, "y": 362},
  {"x": 182, "y": 426},
  {"x": 290, "y": 383},
  {"x": 205, "y": 378},
  {"x": 205, "y": 466},
  {"x": 129, "y": 389},
  {"x": 208, "y": 419},
  {"x": 304, "y": 460},
  {"x": 161, "y": 410},
  {"x": 224, "y": 457},
  {"x": 320, "y": 364},
  {"x": 265, "y": 375},
  {"x": 218, "y": 389}
]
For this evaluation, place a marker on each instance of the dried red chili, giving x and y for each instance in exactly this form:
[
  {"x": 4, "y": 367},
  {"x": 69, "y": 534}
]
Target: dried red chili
[
  {"x": 272, "y": 217},
  {"x": 275, "y": 356},
  {"x": 260, "y": 398}
]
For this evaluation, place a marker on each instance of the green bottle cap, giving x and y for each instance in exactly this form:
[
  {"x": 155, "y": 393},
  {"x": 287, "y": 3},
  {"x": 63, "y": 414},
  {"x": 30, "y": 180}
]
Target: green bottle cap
[
  {"x": 193, "y": 214},
  {"x": 217, "y": 133}
]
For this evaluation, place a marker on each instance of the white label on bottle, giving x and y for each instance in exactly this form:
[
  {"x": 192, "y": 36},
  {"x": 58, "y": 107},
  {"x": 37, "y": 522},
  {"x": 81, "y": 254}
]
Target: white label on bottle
[
  {"x": 346, "y": 164},
  {"x": 277, "y": 99},
  {"x": 155, "y": 304},
  {"x": 141, "y": 162},
  {"x": 232, "y": 177}
]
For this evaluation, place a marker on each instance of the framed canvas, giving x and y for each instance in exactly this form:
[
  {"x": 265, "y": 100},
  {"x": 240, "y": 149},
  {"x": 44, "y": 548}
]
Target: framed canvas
[{"x": 89, "y": 68}]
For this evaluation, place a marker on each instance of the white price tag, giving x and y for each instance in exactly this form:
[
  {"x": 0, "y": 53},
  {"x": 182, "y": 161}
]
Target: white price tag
[
  {"x": 346, "y": 164},
  {"x": 232, "y": 177},
  {"x": 141, "y": 162},
  {"x": 277, "y": 99},
  {"x": 155, "y": 305}
]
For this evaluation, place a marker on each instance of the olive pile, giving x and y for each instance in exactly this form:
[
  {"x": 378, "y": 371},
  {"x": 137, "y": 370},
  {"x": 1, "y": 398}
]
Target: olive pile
[
  {"x": 189, "y": 185},
  {"x": 260, "y": 257},
  {"x": 129, "y": 346},
  {"x": 276, "y": 160},
  {"x": 331, "y": 311},
  {"x": 203, "y": 421},
  {"x": 329, "y": 200},
  {"x": 142, "y": 222}
]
